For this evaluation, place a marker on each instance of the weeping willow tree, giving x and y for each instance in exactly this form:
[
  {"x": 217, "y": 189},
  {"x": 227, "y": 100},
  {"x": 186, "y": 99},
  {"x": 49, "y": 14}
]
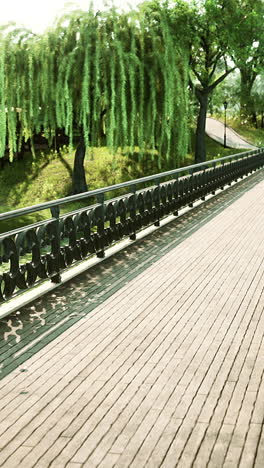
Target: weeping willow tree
[{"x": 111, "y": 78}]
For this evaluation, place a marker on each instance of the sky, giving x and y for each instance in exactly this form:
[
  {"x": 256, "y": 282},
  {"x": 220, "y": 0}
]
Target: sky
[{"x": 37, "y": 15}]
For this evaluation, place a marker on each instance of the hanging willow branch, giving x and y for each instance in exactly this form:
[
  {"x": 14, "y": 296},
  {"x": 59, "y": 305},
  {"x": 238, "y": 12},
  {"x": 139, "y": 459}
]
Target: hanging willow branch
[
  {"x": 2, "y": 102},
  {"x": 100, "y": 74}
]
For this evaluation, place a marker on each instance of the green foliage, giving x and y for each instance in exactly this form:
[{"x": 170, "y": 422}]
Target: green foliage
[
  {"x": 2, "y": 102},
  {"x": 258, "y": 96},
  {"x": 209, "y": 46},
  {"x": 243, "y": 21},
  {"x": 109, "y": 75},
  {"x": 229, "y": 91},
  {"x": 122, "y": 80}
]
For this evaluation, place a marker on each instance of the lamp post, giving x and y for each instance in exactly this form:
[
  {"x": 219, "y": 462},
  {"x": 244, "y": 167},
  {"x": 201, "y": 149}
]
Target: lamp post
[{"x": 225, "y": 106}]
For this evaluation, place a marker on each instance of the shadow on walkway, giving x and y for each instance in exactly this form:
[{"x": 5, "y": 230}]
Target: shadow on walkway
[{"x": 30, "y": 329}]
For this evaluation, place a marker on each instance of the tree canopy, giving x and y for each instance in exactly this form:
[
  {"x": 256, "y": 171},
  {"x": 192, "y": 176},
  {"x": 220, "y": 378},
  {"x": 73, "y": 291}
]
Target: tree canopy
[
  {"x": 243, "y": 23},
  {"x": 127, "y": 79},
  {"x": 107, "y": 75}
]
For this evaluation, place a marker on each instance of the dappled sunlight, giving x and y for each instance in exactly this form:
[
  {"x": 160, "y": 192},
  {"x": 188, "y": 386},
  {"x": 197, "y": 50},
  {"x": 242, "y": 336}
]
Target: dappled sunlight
[{"x": 14, "y": 325}]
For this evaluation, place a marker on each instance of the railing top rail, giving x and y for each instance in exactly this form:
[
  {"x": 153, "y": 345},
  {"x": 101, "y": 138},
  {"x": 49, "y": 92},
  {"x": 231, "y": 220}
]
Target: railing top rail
[{"x": 92, "y": 193}]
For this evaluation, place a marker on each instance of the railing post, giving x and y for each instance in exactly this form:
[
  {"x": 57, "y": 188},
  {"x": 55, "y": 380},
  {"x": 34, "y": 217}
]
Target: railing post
[
  {"x": 191, "y": 187},
  {"x": 100, "y": 224},
  {"x": 223, "y": 175},
  {"x": 230, "y": 173},
  {"x": 56, "y": 243},
  {"x": 214, "y": 183},
  {"x": 133, "y": 212},
  {"x": 176, "y": 212},
  {"x": 204, "y": 182},
  {"x": 157, "y": 183}
]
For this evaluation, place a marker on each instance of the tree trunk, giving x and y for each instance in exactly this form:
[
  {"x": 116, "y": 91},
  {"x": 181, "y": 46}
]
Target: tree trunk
[
  {"x": 20, "y": 154},
  {"x": 247, "y": 105},
  {"x": 79, "y": 184},
  {"x": 200, "y": 149},
  {"x": 202, "y": 95}
]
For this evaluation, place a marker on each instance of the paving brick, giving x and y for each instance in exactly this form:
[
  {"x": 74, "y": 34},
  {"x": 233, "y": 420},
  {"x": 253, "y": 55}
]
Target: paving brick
[
  {"x": 260, "y": 450},
  {"x": 157, "y": 362},
  {"x": 220, "y": 448},
  {"x": 250, "y": 446}
]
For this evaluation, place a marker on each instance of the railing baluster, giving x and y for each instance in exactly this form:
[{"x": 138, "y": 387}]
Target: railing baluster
[
  {"x": 56, "y": 244},
  {"x": 190, "y": 204},
  {"x": 177, "y": 196},
  {"x": 157, "y": 184},
  {"x": 133, "y": 212},
  {"x": 100, "y": 225}
]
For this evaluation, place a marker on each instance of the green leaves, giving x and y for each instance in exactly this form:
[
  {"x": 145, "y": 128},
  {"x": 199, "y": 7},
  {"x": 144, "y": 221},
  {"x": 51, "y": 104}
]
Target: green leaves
[
  {"x": 120, "y": 79},
  {"x": 2, "y": 103}
]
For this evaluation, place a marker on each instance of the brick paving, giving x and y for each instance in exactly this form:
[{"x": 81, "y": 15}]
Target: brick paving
[{"x": 154, "y": 358}]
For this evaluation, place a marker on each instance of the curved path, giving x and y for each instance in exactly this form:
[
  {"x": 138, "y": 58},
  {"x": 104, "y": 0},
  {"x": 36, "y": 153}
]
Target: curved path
[{"x": 215, "y": 130}]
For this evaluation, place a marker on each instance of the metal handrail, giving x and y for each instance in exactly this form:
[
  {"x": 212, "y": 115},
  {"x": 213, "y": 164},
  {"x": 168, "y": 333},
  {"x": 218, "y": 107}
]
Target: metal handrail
[
  {"x": 44, "y": 250},
  {"x": 96, "y": 192}
]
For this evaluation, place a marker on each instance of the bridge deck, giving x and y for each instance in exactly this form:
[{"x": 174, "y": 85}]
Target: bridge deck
[{"x": 152, "y": 358}]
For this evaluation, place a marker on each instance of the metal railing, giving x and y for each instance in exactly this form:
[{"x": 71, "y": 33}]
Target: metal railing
[{"x": 43, "y": 250}]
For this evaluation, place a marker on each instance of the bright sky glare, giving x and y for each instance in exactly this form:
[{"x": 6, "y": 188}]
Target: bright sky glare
[{"x": 37, "y": 15}]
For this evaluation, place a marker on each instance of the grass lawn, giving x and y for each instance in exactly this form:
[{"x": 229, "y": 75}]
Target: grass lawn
[{"x": 253, "y": 135}]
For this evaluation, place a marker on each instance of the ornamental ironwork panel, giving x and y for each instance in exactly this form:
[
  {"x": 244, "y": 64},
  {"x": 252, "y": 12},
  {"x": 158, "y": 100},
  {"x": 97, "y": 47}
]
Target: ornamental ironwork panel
[{"x": 44, "y": 250}]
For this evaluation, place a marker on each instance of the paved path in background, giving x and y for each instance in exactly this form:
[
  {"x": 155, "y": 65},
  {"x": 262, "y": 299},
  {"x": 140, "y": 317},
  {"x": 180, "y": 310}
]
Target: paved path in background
[
  {"x": 153, "y": 359},
  {"x": 215, "y": 130}
]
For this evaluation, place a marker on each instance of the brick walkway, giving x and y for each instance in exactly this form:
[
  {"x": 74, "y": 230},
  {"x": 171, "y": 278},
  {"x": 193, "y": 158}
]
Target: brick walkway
[{"x": 153, "y": 358}]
